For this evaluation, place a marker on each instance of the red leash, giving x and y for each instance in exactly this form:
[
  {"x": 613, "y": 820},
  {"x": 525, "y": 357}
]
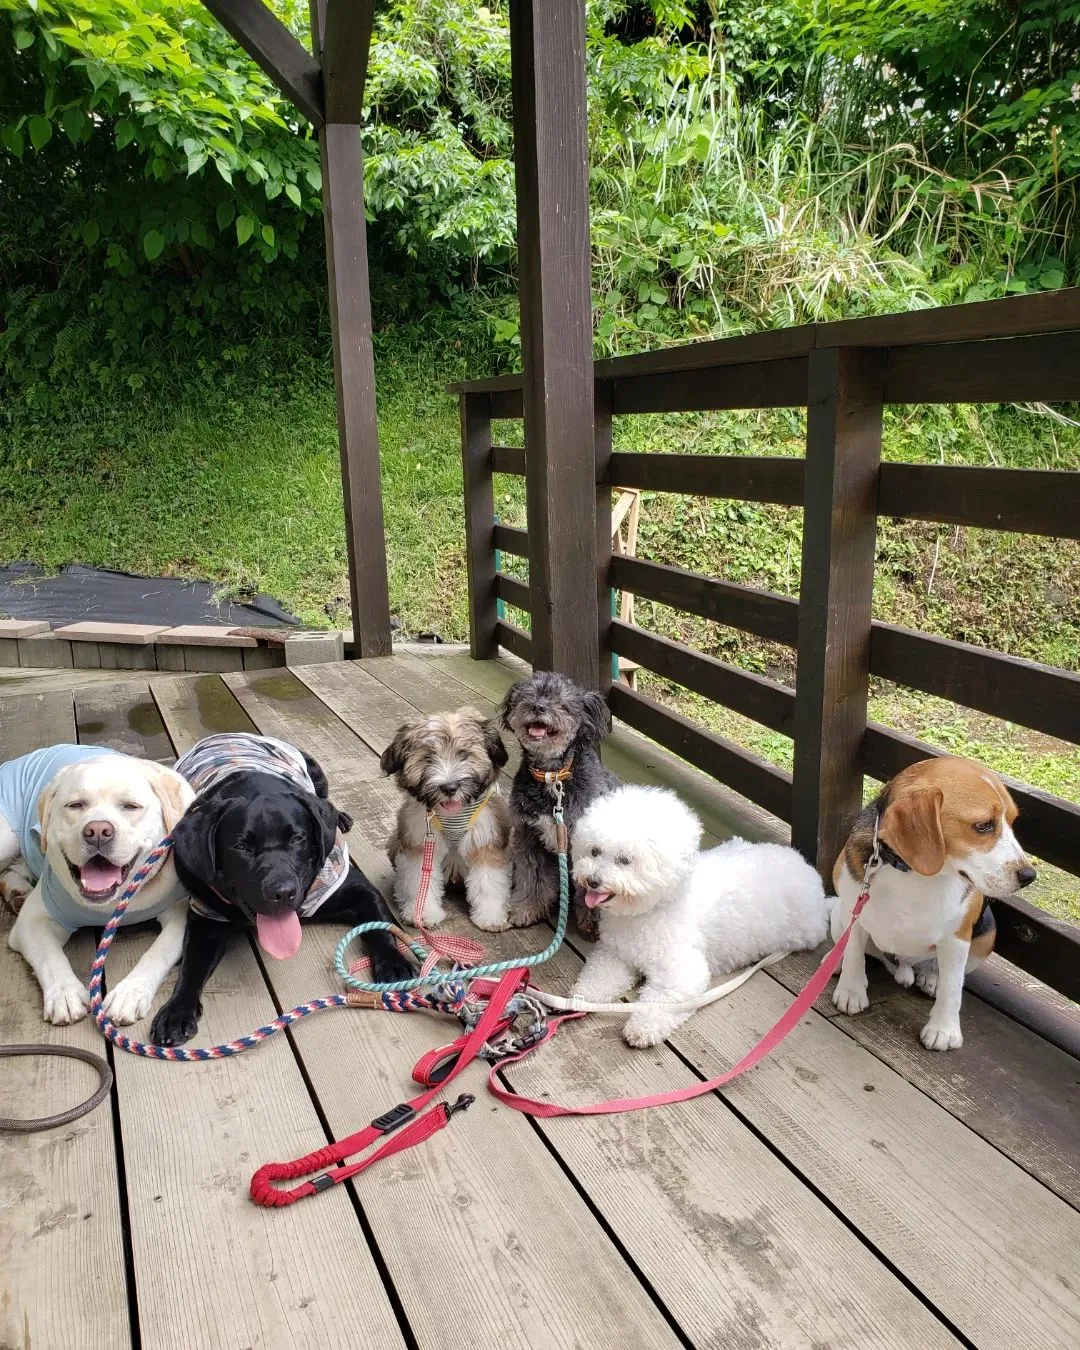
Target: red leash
[
  {"x": 532, "y": 1106},
  {"x": 437, "y": 1069},
  {"x": 419, "y": 1126}
]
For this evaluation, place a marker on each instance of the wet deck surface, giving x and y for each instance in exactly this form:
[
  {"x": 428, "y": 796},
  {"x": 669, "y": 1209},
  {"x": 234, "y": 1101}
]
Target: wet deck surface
[{"x": 854, "y": 1190}]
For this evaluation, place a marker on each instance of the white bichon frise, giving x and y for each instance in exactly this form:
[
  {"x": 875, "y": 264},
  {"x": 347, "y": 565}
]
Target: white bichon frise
[{"x": 678, "y": 916}]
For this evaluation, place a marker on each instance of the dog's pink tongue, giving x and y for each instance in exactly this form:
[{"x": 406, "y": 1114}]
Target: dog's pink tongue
[
  {"x": 538, "y": 733},
  {"x": 279, "y": 934},
  {"x": 594, "y": 898},
  {"x": 99, "y": 876}
]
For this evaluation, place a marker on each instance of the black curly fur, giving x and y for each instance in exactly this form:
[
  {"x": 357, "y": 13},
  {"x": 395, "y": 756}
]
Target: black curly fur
[{"x": 576, "y": 721}]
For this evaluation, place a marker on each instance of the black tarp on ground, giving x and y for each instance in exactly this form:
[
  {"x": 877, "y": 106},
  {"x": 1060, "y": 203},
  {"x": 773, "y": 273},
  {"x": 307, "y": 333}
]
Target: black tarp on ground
[{"x": 77, "y": 593}]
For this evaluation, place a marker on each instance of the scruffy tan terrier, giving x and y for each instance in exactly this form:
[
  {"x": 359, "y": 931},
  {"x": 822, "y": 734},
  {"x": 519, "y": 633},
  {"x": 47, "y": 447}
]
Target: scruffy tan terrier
[{"x": 447, "y": 765}]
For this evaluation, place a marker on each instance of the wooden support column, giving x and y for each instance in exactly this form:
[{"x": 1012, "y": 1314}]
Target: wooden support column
[
  {"x": 341, "y": 31},
  {"x": 479, "y": 523},
  {"x": 605, "y": 596},
  {"x": 551, "y": 153},
  {"x": 843, "y": 453}
]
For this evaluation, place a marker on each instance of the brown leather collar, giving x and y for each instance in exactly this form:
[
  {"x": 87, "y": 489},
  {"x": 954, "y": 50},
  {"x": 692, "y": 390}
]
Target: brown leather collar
[{"x": 550, "y": 776}]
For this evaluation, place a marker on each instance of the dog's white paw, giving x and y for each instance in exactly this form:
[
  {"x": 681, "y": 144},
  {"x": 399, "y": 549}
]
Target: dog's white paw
[
  {"x": 641, "y": 1033},
  {"x": 926, "y": 978},
  {"x": 65, "y": 1003},
  {"x": 490, "y": 923},
  {"x": 942, "y": 1034},
  {"x": 129, "y": 1001},
  {"x": 904, "y": 975},
  {"x": 850, "y": 999},
  {"x": 15, "y": 886}
]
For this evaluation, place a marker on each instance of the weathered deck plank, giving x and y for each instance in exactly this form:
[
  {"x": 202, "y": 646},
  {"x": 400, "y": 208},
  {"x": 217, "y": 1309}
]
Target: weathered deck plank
[
  {"x": 59, "y": 1194},
  {"x": 280, "y": 705},
  {"x": 294, "y": 1277},
  {"x": 738, "y": 1248},
  {"x": 510, "y": 1236},
  {"x": 124, "y": 717},
  {"x": 990, "y": 1247},
  {"x": 194, "y": 706}
]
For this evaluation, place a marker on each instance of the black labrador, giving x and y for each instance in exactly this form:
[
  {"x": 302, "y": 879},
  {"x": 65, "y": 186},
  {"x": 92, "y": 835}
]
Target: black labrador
[{"x": 248, "y": 851}]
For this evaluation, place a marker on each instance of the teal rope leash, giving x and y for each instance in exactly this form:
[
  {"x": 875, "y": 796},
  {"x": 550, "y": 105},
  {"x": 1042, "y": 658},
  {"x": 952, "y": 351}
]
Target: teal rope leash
[{"x": 436, "y": 979}]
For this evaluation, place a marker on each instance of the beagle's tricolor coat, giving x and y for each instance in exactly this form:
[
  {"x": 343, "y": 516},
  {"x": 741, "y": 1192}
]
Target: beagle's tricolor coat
[{"x": 946, "y": 845}]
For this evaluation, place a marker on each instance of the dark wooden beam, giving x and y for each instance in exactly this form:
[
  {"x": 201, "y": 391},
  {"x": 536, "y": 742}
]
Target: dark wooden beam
[
  {"x": 749, "y": 478},
  {"x": 271, "y": 46},
  {"x": 728, "y": 763},
  {"x": 514, "y": 639},
  {"x": 770, "y": 616},
  {"x": 1027, "y": 501},
  {"x": 334, "y": 35},
  {"x": 510, "y": 540},
  {"x": 551, "y": 156},
  {"x": 345, "y": 45},
  {"x": 843, "y": 451},
  {"x": 755, "y": 384},
  {"x": 754, "y": 696},
  {"x": 354, "y": 377},
  {"x": 479, "y": 523},
  {"x": 1033, "y": 695}
]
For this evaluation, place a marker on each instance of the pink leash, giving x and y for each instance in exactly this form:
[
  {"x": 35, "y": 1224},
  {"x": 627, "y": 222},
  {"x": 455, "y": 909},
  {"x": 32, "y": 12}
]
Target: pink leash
[
  {"x": 464, "y": 951},
  {"x": 780, "y": 1030}
]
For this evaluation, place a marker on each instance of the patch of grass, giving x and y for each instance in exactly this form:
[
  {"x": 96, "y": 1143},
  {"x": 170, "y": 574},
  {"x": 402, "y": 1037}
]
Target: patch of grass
[{"x": 245, "y": 491}]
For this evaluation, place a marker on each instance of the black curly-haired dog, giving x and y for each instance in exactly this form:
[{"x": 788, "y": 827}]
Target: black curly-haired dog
[{"x": 559, "y": 727}]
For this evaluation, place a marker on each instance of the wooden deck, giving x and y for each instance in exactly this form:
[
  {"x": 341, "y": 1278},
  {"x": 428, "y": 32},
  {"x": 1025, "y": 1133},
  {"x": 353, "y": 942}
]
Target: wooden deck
[{"x": 853, "y": 1191}]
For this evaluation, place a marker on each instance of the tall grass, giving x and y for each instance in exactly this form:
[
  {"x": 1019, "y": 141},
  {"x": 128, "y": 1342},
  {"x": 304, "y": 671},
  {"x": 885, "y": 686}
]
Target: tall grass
[{"x": 712, "y": 215}]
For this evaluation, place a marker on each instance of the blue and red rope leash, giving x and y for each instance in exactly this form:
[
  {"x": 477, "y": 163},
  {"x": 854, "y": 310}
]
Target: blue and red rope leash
[{"x": 447, "y": 992}]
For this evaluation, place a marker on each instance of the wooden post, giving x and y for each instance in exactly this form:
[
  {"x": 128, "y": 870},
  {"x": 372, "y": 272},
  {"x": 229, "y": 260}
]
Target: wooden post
[
  {"x": 551, "y": 155},
  {"x": 479, "y": 523},
  {"x": 340, "y": 40},
  {"x": 605, "y": 596},
  {"x": 843, "y": 453}
]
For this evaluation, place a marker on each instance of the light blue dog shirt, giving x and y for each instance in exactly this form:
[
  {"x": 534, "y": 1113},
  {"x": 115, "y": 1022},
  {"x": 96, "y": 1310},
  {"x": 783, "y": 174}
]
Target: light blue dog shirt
[{"x": 22, "y": 781}]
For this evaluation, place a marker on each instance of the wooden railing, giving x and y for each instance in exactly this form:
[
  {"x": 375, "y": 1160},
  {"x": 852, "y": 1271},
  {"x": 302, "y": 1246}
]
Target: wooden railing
[{"x": 1021, "y": 350}]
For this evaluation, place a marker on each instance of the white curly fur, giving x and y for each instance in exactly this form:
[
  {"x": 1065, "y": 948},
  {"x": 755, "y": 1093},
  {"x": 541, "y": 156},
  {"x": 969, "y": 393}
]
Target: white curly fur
[{"x": 677, "y": 916}]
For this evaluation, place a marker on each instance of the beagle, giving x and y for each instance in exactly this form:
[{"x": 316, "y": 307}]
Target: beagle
[{"x": 943, "y": 833}]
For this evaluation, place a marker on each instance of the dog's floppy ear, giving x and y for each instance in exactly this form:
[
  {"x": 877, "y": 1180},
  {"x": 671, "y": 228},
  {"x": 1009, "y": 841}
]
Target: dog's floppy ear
[
  {"x": 393, "y": 757},
  {"x": 911, "y": 824},
  {"x": 506, "y": 707},
  {"x": 175, "y": 794},
  {"x": 328, "y": 818},
  {"x": 195, "y": 833},
  {"x": 596, "y": 718},
  {"x": 494, "y": 743},
  {"x": 44, "y": 811}
]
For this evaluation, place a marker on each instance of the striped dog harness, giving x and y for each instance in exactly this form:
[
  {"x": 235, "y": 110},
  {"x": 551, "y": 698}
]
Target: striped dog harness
[
  {"x": 216, "y": 758},
  {"x": 456, "y": 824}
]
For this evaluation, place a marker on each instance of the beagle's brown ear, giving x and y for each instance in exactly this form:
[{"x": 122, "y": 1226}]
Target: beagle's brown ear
[
  {"x": 175, "y": 794},
  {"x": 911, "y": 824}
]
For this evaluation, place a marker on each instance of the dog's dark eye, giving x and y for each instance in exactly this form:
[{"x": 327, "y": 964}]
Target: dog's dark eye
[
  {"x": 75, "y": 806},
  {"x": 132, "y": 806},
  {"x": 595, "y": 852},
  {"x": 623, "y": 859},
  {"x": 984, "y": 827}
]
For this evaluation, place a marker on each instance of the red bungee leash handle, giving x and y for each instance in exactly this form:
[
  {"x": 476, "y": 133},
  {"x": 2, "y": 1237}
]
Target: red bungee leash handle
[{"x": 415, "y": 1123}]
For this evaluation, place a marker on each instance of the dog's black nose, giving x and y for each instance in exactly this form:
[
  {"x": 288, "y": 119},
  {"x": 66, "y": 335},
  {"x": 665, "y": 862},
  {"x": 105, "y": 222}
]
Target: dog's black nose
[
  {"x": 283, "y": 895},
  {"x": 451, "y": 789},
  {"x": 1025, "y": 876},
  {"x": 593, "y": 883}
]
